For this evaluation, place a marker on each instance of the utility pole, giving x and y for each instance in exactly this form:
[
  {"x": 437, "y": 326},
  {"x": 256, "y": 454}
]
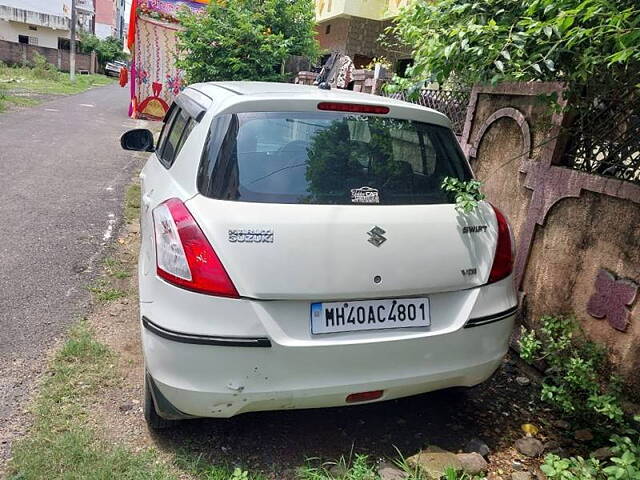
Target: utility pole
[{"x": 72, "y": 42}]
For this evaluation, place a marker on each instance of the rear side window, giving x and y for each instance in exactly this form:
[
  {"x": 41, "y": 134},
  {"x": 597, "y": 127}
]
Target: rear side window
[
  {"x": 328, "y": 158},
  {"x": 165, "y": 128},
  {"x": 173, "y": 136}
]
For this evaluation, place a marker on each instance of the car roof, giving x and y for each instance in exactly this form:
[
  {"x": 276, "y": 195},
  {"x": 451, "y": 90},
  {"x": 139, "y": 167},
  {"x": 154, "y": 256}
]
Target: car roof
[{"x": 242, "y": 92}]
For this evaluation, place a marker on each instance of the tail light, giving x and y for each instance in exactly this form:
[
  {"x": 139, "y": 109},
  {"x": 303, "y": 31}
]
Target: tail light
[
  {"x": 503, "y": 260},
  {"x": 184, "y": 257}
]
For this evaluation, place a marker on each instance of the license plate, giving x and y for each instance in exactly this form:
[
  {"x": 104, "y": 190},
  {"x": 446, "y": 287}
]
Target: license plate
[{"x": 369, "y": 315}]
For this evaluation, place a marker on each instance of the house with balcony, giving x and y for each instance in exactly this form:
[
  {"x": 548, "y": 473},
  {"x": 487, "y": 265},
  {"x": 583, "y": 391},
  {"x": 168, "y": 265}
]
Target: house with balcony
[
  {"x": 43, "y": 27},
  {"x": 34, "y": 22},
  {"x": 354, "y": 27},
  {"x": 40, "y": 23}
]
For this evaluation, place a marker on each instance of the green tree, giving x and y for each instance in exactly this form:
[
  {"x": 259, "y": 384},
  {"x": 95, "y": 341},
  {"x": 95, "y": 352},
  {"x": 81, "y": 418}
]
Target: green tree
[
  {"x": 107, "y": 50},
  {"x": 245, "y": 39},
  {"x": 592, "y": 46}
]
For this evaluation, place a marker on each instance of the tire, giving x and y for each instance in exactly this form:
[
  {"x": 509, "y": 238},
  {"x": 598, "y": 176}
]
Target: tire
[{"x": 154, "y": 421}]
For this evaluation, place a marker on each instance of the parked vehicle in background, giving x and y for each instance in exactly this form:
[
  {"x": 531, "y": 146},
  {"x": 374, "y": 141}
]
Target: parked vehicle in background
[
  {"x": 298, "y": 252},
  {"x": 113, "y": 68}
]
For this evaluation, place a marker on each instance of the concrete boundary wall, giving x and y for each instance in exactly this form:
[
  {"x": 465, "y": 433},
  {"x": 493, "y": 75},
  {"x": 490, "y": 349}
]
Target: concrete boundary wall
[
  {"x": 577, "y": 234},
  {"x": 21, "y": 54}
]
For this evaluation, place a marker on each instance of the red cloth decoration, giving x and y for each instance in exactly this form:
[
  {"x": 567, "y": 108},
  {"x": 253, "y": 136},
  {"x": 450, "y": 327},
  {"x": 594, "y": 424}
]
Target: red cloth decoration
[
  {"x": 131, "y": 34},
  {"x": 124, "y": 77}
]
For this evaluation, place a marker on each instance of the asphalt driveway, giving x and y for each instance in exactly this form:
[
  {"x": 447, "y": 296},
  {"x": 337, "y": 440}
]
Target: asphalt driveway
[{"x": 62, "y": 175}]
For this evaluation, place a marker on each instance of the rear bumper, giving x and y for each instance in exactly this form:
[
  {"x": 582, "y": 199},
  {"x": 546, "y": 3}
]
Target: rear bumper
[{"x": 217, "y": 380}]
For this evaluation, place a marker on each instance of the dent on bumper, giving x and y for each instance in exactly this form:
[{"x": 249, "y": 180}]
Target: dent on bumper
[{"x": 216, "y": 381}]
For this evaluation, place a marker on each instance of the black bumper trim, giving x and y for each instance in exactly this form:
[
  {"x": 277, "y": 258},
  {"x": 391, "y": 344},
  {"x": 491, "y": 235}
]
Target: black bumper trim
[
  {"x": 496, "y": 317},
  {"x": 261, "y": 342}
]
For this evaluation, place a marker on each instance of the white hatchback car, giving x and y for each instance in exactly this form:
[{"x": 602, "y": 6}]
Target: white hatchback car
[{"x": 298, "y": 252}]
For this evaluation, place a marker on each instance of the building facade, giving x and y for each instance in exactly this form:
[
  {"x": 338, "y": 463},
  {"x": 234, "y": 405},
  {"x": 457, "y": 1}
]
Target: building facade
[
  {"x": 35, "y": 22},
  {"x": 110, "y": 18},
  {"x": 43, "y": 23},
  {"x": 354, "y": 28}
]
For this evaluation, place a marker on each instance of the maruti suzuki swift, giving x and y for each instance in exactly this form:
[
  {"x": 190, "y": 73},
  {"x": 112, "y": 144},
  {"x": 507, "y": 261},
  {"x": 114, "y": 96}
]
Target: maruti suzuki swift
[{"x": 298, "y": 251}]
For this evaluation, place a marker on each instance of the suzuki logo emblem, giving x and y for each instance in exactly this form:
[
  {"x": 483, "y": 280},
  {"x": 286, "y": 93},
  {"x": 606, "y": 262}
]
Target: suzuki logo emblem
[{"x": 376, "y": 236}]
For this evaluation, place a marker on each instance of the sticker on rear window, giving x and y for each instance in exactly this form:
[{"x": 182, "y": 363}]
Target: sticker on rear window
[{"x": 364, "y": 195}]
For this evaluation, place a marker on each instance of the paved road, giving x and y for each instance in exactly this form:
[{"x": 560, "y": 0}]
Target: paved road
[{"x": 62, "y": 175}]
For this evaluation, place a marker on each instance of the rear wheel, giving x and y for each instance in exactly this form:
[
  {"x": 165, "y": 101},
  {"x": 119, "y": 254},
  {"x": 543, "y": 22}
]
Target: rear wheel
[{"x": 155, "y": 421}]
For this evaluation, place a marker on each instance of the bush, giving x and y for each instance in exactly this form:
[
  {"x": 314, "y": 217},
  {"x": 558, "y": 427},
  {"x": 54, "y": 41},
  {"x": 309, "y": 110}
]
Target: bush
[
  {"x": 592, "y": 46},
  {"x": 107, "y": 50},
  {"x": 623, "y": 465},
  {"x": 578, "y": 381},
  {"x": 42, "y": 69}
]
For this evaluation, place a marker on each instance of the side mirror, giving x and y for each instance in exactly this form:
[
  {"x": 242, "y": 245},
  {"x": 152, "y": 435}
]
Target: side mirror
[{"x": 139, "y": 140}]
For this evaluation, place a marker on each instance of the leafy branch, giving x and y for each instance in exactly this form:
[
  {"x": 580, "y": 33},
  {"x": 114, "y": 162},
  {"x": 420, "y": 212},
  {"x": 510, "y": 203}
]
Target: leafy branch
[{"x": 465, "y": 194}]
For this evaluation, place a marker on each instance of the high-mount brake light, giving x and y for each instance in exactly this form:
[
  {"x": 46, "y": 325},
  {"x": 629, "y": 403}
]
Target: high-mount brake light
[
  {"x": 503, "y": 260},
  {"x": 184, "y": 256},
  {"x": 353, "y": 107}
]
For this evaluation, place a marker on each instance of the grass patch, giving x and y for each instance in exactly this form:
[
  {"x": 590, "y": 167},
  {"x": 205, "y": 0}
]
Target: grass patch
[
  {"x": 22, "y": 101},
  {"x": 197, "y": 466},
  {"x": 359, "y": 469},
  {"x": 132, "y": 203},
  {"x": 60, "y": 445},
  {"x": 6, "y": 100},
  {"x": 105, "y": 292},
  {"x": 116, "y": 268},
  {"x": 45, "y": 79}
]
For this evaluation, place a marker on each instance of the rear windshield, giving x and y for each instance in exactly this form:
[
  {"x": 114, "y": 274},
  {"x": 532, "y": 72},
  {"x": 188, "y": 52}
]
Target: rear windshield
[{"x": 328, "y": 158}]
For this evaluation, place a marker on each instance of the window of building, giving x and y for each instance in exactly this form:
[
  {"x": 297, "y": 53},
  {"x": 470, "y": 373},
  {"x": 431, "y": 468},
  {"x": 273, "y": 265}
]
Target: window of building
[
  {"x": 327, "y": 29},
  {"x": 23, "y": 39},
  {"x": 33, "y": 40},
  {"x": 64, "y": 44},
  {"x": 31, "y": 27}
]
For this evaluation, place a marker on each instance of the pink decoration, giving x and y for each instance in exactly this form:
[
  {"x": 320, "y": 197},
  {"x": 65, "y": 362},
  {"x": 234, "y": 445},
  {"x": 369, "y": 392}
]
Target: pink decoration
[
  {"x": 175, "y": 83},
  {"x": 611, "y": 299}
]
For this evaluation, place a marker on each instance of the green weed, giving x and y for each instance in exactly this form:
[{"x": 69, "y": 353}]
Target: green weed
[
  {"x": 578, "y": 381},
  {"x": 198, "y": 466},
  {"x": 105, "y": 292},
  {"x": 116, "y": 268}
]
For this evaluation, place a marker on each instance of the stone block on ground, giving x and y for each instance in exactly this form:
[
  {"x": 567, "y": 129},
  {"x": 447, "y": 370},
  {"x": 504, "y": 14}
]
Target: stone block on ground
[
  {"x": 478, "y": 446},
  {"x": 388, "y": 472},
  {"x": 521, "y": 476},
  {"x": 529, "y": 446},
  {"x": 473, "y": 463},
  {"x": 434, "y": 464}
]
